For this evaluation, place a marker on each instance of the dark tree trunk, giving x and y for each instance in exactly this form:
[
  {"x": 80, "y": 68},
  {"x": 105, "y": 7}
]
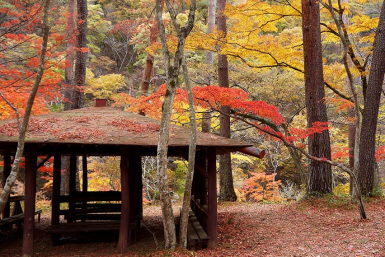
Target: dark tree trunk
[
  {"x": 227, "y": 192},
  {"x": 81, "y": 54},
  {"x": 150, "y": 59},
  {"x": 70, "y": 57},
  {"x": 367, "y": 160},
  {"x": 320, "y": 174}
]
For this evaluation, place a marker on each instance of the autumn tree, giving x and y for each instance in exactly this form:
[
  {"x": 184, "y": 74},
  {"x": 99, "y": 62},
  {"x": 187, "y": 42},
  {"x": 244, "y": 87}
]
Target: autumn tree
[
  {"x": 172, "y": 67},
  {"x": 320, "y": 174},
  {"x": 23, "y": 124}
]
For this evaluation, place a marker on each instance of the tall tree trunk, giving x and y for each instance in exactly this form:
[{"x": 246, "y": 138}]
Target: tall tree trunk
[
  {"x": 172, "y": 74},
  {"x": 191, "y": 159},
  {"x": 367, "y": 160},
  {"x": 226, "y": 185},
  {"x": 206, "y": 116},
  {"x": 81, "y": 54},
  {"x": 70, "y": 57},
  {"x": 23, "y": 126},
  {"x": 320, "y": 174},
  {"x": 69, "y": 82}
]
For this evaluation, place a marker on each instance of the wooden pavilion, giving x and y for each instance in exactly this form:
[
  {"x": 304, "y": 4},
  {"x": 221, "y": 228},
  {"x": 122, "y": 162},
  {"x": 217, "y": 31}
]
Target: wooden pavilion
[{"x": 106, "y": 131}]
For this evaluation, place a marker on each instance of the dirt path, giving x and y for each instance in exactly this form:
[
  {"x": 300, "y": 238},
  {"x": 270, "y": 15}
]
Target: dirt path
[{"x": 318, "y": 228}]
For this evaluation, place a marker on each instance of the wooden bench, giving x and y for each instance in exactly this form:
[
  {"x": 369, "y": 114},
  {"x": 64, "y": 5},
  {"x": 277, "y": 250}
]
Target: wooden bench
[
  {"x": 17, "y": 213},
  {"x": 93, "y": 216},
  {"x": 86, "y": 227},
  {"x": 196, "y": 236}
]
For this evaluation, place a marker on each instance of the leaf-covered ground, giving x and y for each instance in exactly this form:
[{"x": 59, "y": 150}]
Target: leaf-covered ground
[{"x": 311, "y": 228}]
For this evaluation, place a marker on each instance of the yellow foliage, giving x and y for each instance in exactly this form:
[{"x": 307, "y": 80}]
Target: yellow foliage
[
  {"x": 104, "y": 86},
  {"x": 342, "y": 189}
]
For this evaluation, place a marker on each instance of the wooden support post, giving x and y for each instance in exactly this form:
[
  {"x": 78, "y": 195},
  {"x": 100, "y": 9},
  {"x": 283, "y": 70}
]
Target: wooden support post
[
  {"x": 139, "y": 191},
  {"x": 6, "y": 172},
  {"x": 56, "y": 187},
  {"x": 72, "y": 179},
  {"x": 55, "y": 218},
  {"x": 212, "y": 219},
  {"x": 133, "y": 187},
  {"x": 73, "y": 169},
  {"x": 29, "y": 204},
  {"x": 125, "y": 211},
  {"x": 85, "y": 177}
]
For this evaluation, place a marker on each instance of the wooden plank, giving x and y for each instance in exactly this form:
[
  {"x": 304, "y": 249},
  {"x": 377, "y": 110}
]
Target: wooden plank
[
  {"x": 11, "y": 220},
  {"x": 97, "y": 216},
  {"x": 192, "y": 235},
  {"x": 82, "y": 211},
  {"x": 86, "y": 227},
  {"x": 17, "y": 198},
  {"x": 92, "y": 196},
  {"x": 91, "y": 206},
  {"x": 29, "y": 204}
]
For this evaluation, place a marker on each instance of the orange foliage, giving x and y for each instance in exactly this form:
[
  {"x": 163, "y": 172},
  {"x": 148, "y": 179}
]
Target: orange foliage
[
  {"x": 259, "y": 187},
  {"x": 17, "y": 74}
]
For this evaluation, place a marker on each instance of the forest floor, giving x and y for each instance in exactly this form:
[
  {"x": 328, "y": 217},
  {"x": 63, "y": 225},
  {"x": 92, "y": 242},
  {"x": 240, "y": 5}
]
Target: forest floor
[{"x": 326, "y": 227}]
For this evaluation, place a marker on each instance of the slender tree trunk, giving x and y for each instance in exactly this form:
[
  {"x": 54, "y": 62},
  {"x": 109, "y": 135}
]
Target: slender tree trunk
[
  {"x": 81, "y": 54},
  {"x": 367, "y": 145},
  {"x": 227, "y": 192},
  {"x": 172, "y": 73},
  {"x": 206, "y": 116},
  {"x": 191, "y": 159},
  {"x": 320, "y": 174},
  {"x": 23, "y": 126}
]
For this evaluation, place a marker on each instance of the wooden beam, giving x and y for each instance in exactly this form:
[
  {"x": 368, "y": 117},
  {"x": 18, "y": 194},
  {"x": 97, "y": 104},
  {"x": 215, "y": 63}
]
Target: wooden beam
[
  {"x": 43, "y": 161},
  {"x": 29, "y": 204},
  {"x": 6, "y": 172},
  {"x": 212, "y": 218},
  {"x": 253, "y": 151}
]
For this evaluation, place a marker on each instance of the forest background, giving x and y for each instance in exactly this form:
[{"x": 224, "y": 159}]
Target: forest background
[{"x": 264, "y": 47}]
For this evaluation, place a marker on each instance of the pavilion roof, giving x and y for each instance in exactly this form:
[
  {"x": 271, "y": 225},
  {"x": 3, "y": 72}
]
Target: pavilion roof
[{"x": 105, "y": 125}]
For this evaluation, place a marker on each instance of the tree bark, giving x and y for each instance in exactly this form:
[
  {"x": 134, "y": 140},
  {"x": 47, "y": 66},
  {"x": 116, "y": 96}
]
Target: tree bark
[
  {"x": 172, "y": 74},
  {"x": 24, "y": 125},
  {"x": 320, "y": 174},
  {"x": 227, "y": 192},
  {"x": 81, "y": 54},
  {"x": 70, "y": 57},
  {"x": 206, "y": 116},
  {"x": 191, "y": 159},
  {"x": 366, "y": 167}
]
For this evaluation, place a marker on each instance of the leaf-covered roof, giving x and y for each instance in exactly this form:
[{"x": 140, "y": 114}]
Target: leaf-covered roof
[{"x": 105, "y": 125}]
